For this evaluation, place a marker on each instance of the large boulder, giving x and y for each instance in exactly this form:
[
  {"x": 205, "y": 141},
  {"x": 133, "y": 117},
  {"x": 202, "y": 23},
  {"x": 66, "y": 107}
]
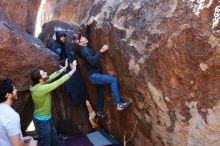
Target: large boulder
[
  {"x": 21, "y": 54},
  {"x": 69, "y": 11},
  {"x": 166, "y": 55},
  {"x": 167, "y": 59},
  {"x": 21, "y": 12}
]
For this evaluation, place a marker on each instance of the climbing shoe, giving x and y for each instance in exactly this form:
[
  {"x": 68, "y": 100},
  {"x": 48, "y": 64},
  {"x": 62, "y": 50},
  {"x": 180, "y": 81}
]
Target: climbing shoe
[{"x": 123, "y": 105}]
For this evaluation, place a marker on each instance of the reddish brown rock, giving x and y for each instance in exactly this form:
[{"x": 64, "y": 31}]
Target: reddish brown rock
[
  {"x": 166, "y": 55},
  {"x": 21, "y": 12},
  {"x": 166, "y": 59},
  {"x": 73, "y": 11},
  {"x": 21, "y": 54}
]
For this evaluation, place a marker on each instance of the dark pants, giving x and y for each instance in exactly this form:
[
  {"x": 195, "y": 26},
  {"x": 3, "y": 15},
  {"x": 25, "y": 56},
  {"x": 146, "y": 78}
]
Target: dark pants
[
  {"x": 76, "y": 88},
  {"x": 99, "y": 80},
  {"x": 46, "y": 132}
]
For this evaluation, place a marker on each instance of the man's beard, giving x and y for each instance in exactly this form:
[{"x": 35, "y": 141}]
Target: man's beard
[
  {"x": 14, "y": 97},
  {"x": 45, "y": 79}
]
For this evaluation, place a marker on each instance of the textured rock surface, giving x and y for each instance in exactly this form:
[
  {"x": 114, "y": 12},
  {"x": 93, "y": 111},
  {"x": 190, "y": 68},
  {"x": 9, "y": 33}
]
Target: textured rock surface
[
  {"x": 166, "y": 55},
  {"x": 173, "y": 77},
  {"x": 73, "y": 11},
  {"x": 21, "y": 12}
]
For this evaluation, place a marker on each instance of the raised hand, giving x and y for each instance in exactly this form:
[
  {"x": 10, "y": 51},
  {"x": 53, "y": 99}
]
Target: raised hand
[
  {"x": 73, "y": 65},
  {"x": 104, "y": 48},
  {"x": 91, "y": 20},
  {"x": 66, "y": 63},
  {"x": 63, "y": 68}
]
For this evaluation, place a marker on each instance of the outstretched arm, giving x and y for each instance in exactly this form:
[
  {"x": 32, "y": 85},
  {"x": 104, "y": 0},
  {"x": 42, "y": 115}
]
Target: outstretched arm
[
  {"x": 57, "y": 73},
  {"x": 87, "y": 34},
  {"x": 88, "y": 28},
  {"x": 87, "y": 54},
  {"x": 46, "y": 88}
]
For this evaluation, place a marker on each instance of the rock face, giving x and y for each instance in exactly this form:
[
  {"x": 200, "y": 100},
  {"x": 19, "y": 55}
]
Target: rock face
[
  {"x": 21, "y": 12},
  {"x": 166, "y": 55},
  {"x": 73, "y": 11},
  {"x": 167, "y": 59}
]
